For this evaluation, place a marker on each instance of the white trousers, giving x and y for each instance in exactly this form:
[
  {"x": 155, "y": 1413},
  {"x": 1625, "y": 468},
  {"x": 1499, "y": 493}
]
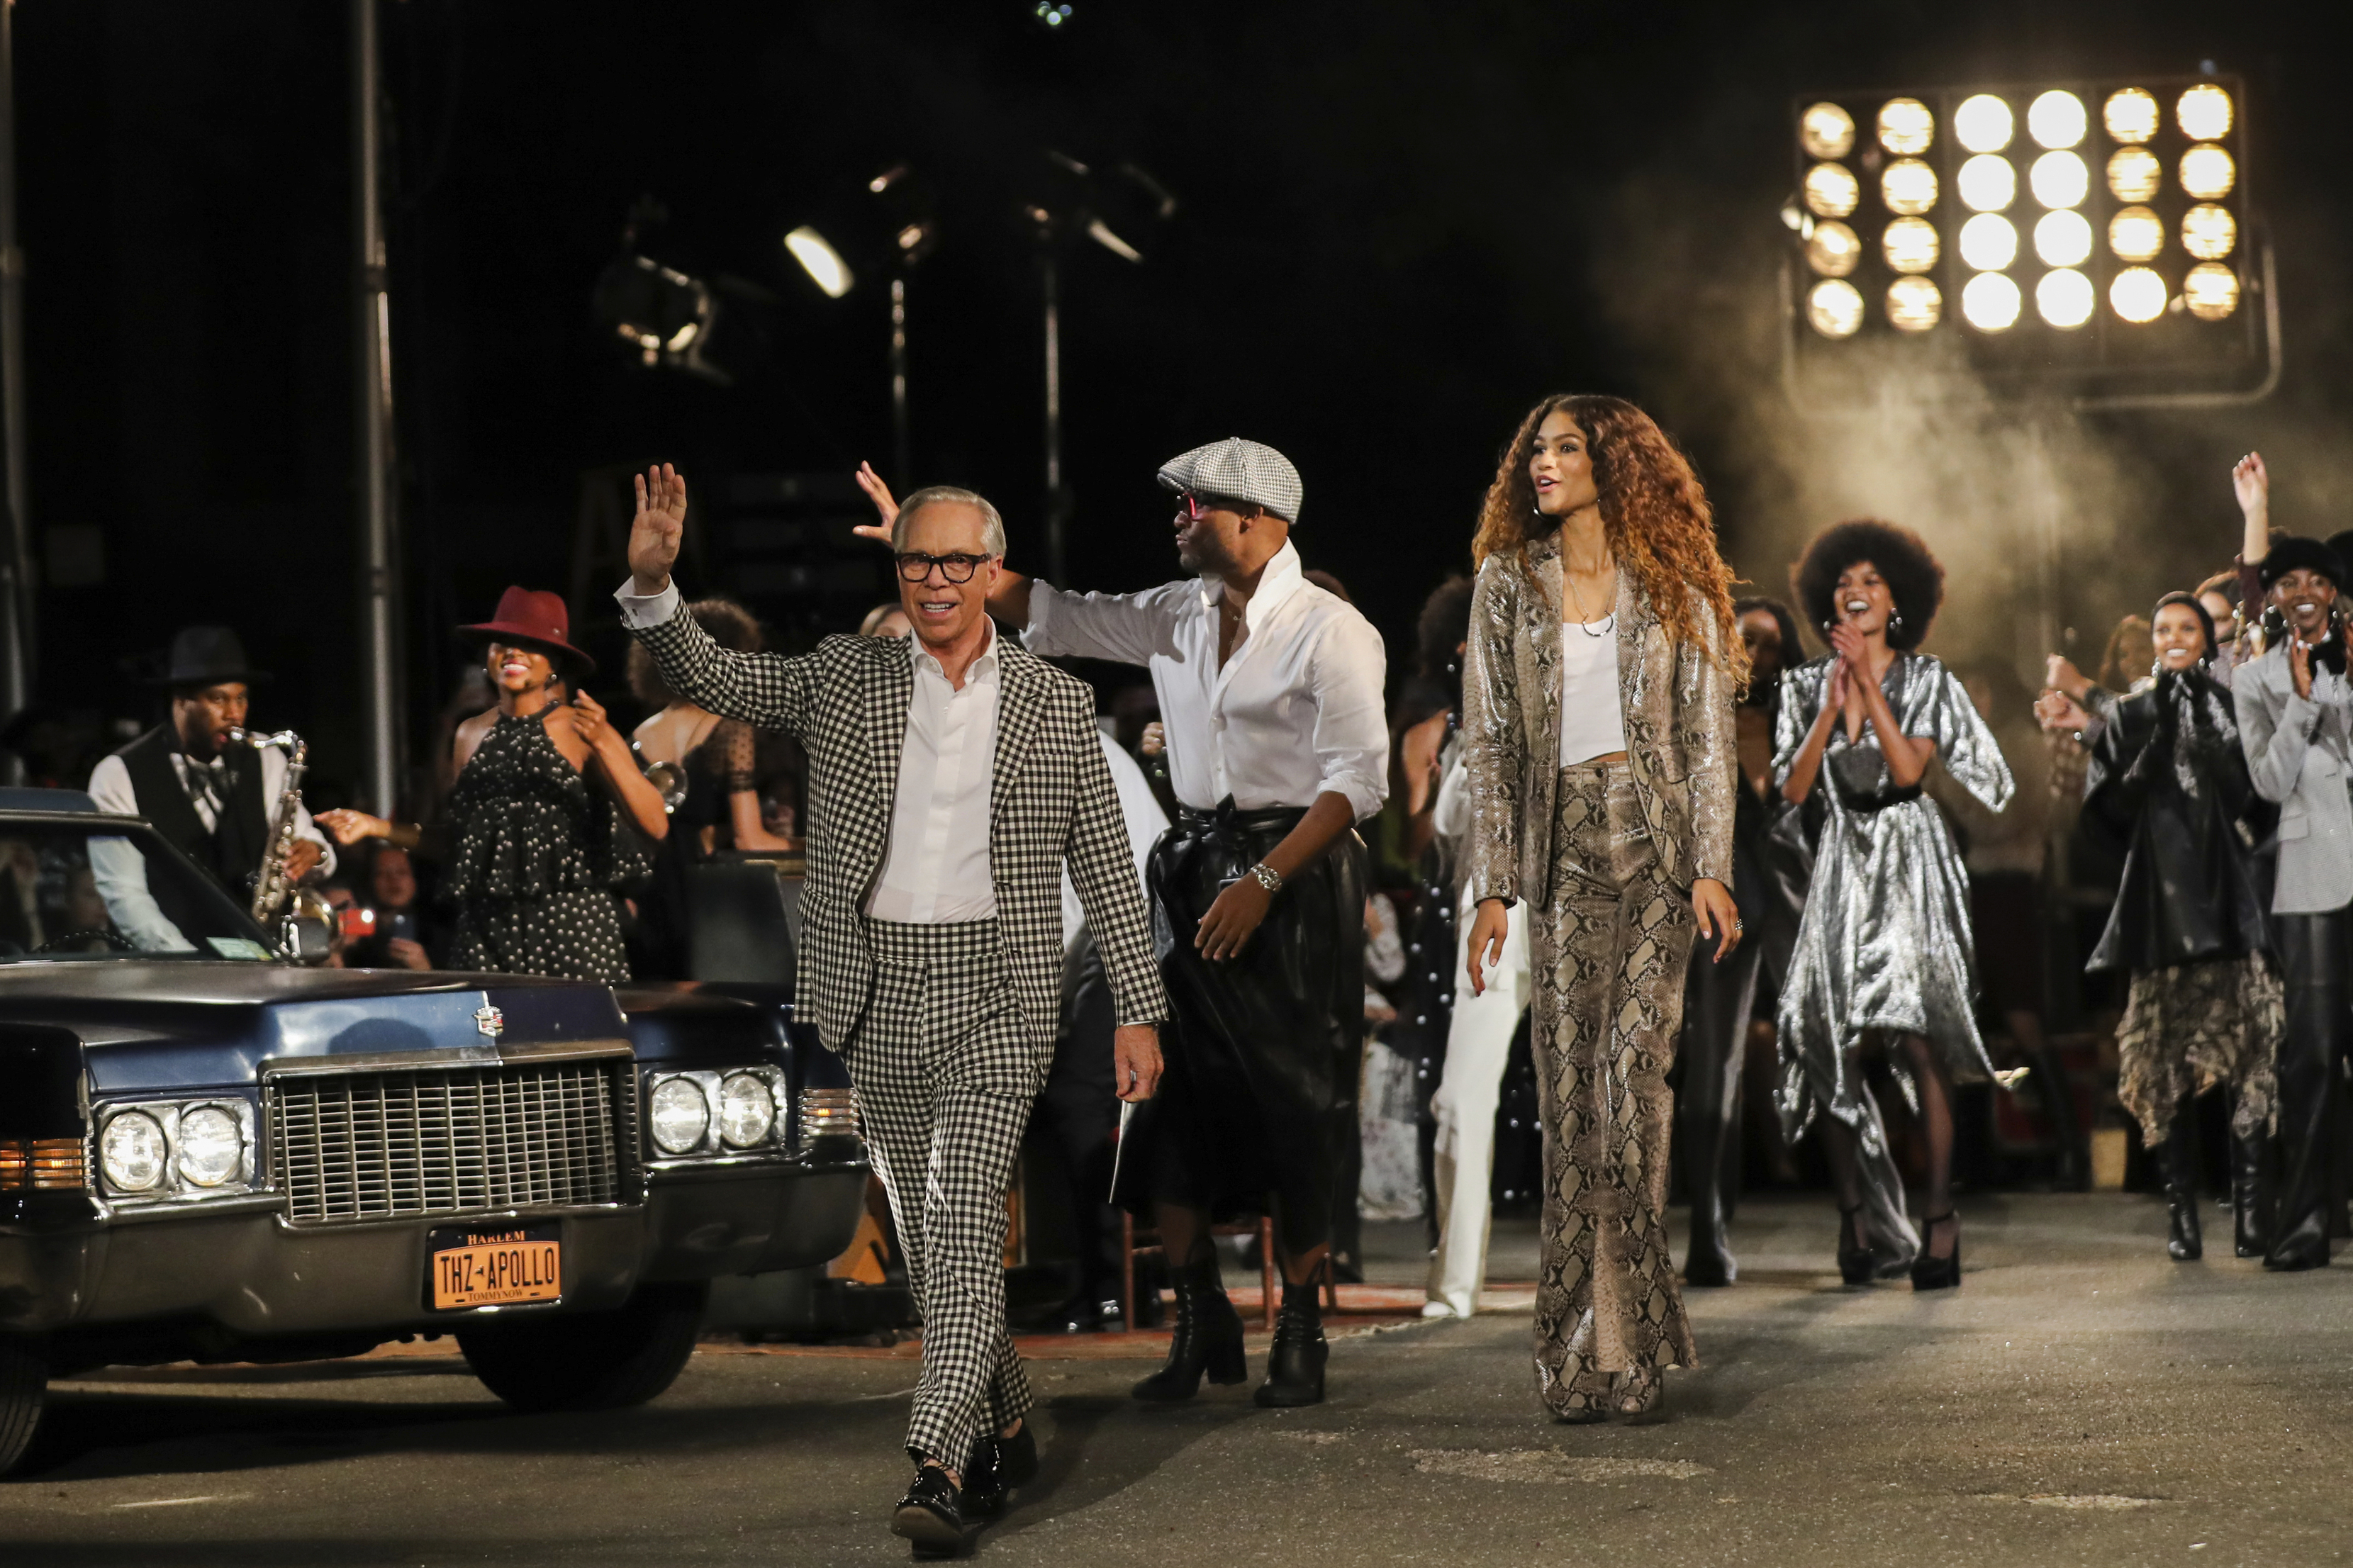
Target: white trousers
[{"x": 1478, "y": 1044}]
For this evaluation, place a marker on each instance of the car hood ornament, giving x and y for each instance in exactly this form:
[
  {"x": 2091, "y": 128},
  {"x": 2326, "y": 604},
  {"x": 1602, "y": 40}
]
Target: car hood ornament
[{"x": 489, "y": 1022}]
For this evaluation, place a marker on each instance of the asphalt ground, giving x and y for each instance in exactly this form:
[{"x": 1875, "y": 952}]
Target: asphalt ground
[{"x": 2080, "y": 1399}]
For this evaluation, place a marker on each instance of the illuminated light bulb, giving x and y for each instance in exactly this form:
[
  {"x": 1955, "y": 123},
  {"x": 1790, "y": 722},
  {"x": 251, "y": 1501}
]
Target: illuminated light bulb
[
  {"x": 1826, "y": 131},
  {"x": 2135, "y": 175},
  {"x": 1833, "y": 250},
  {"x": 1989, "y": 242},
  {"x": 2137, "y": 233},
  {"x": 2065, "y": 298},
  {"x": 2056, "y": 118},
  {"x": 1910, "y": 245},
  {"x": 2204, "y": 113},
  {"x": 2210, "y": 290},
  {"x": 1908, "y": 186},
  {"x": 1989, "y": 303},
  {"x": 1983, "y": 124},
  {"x": 2208, "y": 172},
  {"x": 2209, "y": 232},
  {"x": 1987, "y": 184},
  {"x": 1913, "y": 305},
  {"x": 2131, "y": 115},
  {"x": 1905, "y": 126},
  {"x": 2138, "y": 295},
  {"x": 1834, "y": 308},
  {"x": 1831, "y": 190},
  {"x": 2062, "y": 238},
  {"x": 2059, "y": 180}
]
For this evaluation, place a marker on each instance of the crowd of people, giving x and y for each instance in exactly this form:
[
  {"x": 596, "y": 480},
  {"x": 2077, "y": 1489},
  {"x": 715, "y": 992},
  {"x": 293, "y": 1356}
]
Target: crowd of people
[{"x": 1618, "y": 808}]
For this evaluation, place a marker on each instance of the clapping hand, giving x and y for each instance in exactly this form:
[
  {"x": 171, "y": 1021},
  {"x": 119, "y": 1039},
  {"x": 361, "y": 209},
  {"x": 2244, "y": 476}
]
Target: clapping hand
[
  {"x": 2060, "y": 714},
  {"x": 657, "y": 530},
  {"x": 880, "y": 494},
  {"x": 2299, "y": 665}
]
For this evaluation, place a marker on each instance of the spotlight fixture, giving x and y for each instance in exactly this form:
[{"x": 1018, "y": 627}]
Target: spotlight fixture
[
  {"x": 2063, "y": 298},
  {"x": 2059, "y": 180},
  {"x": 1987, "y": 184},
  {"x": 883, "y": 230},
  {"x": 1990, "y": 302},
  {"x": 2062, "y": 238},
  {"x": 2135, "y": 175},
  {"x": 2130, "y": 115},
  {"x": 2203, "y": 113},
  {"x": 2209, "y": 232},
  {"x": 2135, "y": 234},
  {"x": 1905, "y": 126},
  {"x": 2210, "y": 290},
  {"x": 1833, "y": 249},
  {"x": 1914, "y": 304},
  {"x": 1832, "y": 191},
  {"x": 1834, "y": 308},
  {"x": 1910, "y": 245},
  {"x": 1989, "y": 242},
  {"x": 1826, "y": 131},
  {"x": 1908, "y": 186},
  {"x": 1983, "y": 124},
  {"x": 2138, "y": 295},
  {"x": 2208, "y": 171}
]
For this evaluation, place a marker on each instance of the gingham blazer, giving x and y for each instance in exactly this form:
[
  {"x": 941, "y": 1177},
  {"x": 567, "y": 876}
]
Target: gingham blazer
[{"x": 1051, "y": 799}]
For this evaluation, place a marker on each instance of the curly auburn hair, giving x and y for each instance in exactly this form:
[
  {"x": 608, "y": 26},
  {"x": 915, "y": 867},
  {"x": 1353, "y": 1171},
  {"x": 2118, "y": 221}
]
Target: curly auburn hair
[
  {"x": 1654, "y": 516},
  {"x": 1914, "y": 576},
  {"x": 728, "y": 624}
]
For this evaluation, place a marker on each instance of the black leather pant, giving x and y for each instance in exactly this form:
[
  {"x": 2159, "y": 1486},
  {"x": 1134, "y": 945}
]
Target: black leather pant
[
  {"x": 1079, "y": 1108},
  {"x": 2316, "y": 961}
]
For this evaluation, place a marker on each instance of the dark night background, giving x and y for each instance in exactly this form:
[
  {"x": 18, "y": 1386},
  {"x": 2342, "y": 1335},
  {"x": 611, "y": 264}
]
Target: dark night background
[{"x": 1401, "y": 223}]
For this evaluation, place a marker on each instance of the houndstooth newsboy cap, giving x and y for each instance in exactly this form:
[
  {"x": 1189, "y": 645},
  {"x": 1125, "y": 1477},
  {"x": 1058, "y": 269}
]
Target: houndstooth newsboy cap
[{"x": 1239, "y": 470}]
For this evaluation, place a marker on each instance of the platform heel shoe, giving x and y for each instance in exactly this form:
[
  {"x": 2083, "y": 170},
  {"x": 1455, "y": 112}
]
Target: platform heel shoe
[
  {"x": 1856, "y": 1264},
  {"x": 1207, "y": 1341},
  {"x": 1294, "y": 1363},
  {"x": 2183, "y": 1243},
  {"x": 1931, "y": 1273}
]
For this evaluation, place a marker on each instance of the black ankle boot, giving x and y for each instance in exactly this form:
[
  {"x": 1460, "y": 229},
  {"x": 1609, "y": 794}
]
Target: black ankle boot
[
  {"x": 1708, "y": 1261},
  {"x": 1207, "y": 1339},
  {"x": 1294, "y": 1363},
  {"x": 2251, "y": 1229},
  {"x": 2182, "y": 1242},
  {"x": 1856, "y": 1265}
]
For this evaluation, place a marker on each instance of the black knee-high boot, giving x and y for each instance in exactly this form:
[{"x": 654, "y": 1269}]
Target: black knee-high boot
[
  {"x": 2250, "y": 1220},
  {"x": 2182, "y": 1242}
]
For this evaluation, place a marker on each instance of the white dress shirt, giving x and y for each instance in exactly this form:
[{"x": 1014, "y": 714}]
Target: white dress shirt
[
  {"x": 1296, "y": 711},
  {"x": 1145, "y": 823}
]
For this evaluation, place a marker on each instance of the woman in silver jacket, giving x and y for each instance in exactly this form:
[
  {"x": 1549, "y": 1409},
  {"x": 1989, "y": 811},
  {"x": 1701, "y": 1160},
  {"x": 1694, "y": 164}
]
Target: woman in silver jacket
[{"x": 1599, "y": 740}]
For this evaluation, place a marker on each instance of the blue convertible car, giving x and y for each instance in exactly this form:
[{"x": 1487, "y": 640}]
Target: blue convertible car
[{"x": 210, "y": 1153}]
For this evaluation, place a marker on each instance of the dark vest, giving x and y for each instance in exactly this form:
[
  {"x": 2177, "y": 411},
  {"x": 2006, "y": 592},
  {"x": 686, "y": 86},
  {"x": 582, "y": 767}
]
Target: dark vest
[{"x": 232, "y": 852}]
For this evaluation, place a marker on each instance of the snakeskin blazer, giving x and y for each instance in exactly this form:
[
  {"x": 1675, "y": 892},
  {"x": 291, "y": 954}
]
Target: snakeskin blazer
[
  {"x": 1675, "y": 702},
  {"x": 1051, "y": 798}
]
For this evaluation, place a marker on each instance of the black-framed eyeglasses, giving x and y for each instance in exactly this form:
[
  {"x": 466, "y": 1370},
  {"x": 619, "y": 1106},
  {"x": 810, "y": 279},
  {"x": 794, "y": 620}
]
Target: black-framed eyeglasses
[{"x": 914, "y": 565}]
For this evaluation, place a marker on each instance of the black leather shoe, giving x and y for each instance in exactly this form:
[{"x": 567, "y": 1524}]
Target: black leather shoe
[
  {"x": 1856, "y": 1265},
  {"x": 931, "y": 1514},
  {"x": 1207, "y": 1340},
  {"x": 1083, "y": 1315},
  {"x": 1294, "y": 1363},
  {"x": 1930, "y": 1272},
  {"x": 997, "y": 1466}
]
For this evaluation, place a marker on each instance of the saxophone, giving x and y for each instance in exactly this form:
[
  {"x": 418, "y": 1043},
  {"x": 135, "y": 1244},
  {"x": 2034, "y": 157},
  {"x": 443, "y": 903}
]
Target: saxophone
[{"x": 272, "y": 888}]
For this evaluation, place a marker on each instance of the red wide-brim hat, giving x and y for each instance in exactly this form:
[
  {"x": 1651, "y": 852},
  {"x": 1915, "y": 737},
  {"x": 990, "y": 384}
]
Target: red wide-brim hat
[{"x": 536, "y": 616}]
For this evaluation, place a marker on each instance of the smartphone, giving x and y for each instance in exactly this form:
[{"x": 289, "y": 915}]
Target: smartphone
[{"x": 400, "y": 925}]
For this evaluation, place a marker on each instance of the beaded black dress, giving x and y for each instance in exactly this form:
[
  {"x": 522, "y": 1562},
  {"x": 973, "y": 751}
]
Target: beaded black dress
[{"x": 539, "y": 855}]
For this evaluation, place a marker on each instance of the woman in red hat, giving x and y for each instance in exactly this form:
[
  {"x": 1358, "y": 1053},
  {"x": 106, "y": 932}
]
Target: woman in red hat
[{"x": 534, "y": 853}]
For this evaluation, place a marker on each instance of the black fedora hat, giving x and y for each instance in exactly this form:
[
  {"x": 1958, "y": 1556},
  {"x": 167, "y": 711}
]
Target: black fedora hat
[{"x": 205, "y": 656}]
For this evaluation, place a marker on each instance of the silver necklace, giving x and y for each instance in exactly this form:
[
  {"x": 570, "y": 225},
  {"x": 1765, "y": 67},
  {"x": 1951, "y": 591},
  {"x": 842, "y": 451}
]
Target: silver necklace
[{"x": 1609, "y": 622}]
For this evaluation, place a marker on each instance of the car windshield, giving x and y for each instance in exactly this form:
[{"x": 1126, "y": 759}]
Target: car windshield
[{"x": 104, "y": 890}]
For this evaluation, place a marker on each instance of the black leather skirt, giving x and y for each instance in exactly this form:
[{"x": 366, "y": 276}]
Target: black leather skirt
[{"x": 1262, "y": 1048}]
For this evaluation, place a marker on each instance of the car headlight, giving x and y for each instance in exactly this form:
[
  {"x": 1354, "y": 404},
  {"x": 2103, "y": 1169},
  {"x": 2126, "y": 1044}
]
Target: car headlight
[
  {"x": 747, "y": 1111},
  {"x": 132, "y": 1154},
  {"x": 212, "y": 1147},
  {"x": 681, "y": 1115}
]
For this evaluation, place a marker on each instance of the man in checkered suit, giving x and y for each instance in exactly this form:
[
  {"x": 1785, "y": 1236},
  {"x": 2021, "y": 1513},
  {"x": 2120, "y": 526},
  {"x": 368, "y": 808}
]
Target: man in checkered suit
[{"x": 952, "y": 775}]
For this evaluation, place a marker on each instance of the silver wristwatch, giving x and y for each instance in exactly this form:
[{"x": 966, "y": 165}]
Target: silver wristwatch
[{"x": 1266, "y": 877}]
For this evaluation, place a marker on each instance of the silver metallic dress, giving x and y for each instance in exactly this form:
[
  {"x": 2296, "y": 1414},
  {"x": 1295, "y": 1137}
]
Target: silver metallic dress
[{"x": 1885, "y": 944}]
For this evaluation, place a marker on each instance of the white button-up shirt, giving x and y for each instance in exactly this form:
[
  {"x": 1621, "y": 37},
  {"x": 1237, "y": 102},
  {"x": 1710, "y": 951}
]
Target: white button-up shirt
[
  {"x": 1296, "y": 711},
  {"x": 937, "y": 870}
]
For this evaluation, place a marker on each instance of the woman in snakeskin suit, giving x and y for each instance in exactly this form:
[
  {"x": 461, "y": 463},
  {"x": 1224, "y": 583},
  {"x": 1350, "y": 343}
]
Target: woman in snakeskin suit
[{"x": 1598, "y": 738}]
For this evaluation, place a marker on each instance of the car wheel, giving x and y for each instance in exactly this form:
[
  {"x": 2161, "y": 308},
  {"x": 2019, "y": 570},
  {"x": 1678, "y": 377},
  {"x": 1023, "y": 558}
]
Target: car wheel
[
  {"x": 590, "y": 1360},
  {"x": 24, "y": 1387}
]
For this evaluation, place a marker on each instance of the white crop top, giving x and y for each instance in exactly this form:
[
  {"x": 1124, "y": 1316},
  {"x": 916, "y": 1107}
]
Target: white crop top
[{"x": 1591, "y": 725}]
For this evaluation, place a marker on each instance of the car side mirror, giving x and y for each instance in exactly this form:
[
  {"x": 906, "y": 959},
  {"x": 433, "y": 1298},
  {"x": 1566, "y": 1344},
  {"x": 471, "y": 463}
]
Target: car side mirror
[{"x": 306, "y": 939}]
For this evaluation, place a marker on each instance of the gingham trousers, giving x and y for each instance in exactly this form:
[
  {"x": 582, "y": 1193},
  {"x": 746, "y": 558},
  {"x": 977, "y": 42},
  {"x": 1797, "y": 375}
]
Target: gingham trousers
[{"x": 946, "y": 1070}]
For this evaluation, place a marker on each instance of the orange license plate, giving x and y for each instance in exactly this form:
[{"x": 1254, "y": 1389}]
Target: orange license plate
[{"x": 493, "y": 1266}]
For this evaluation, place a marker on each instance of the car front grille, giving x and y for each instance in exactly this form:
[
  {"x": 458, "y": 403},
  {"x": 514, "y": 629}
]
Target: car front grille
[{"x": 349, "y": 1148}]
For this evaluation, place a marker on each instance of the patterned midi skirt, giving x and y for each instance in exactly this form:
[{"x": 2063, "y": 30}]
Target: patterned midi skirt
[
  {"x": 1609, "y": 957},
  {"x": 2189, "y": 1028}
]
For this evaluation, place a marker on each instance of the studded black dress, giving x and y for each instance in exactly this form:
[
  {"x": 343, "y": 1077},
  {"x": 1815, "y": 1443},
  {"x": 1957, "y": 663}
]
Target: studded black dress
[{"x": 539, "y": 852}]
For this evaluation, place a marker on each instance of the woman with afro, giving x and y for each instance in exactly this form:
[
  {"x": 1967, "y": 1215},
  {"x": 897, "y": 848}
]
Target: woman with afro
[
  {"x": 1599, "y": 741},
  {"x": 1883, "y": 956}
]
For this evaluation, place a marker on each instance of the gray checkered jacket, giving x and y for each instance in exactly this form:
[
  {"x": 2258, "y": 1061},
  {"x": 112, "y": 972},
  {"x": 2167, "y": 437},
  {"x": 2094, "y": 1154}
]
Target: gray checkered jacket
[{"x": 1052, "y": 799}]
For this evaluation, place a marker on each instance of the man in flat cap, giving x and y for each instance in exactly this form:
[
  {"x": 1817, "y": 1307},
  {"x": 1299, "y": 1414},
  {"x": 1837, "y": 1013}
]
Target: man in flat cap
[{"x": 1270, "y": 690}]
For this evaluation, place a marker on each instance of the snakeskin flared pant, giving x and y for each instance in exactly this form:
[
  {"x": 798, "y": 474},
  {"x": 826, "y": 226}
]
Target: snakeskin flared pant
[{"x": 1608, "y": 955}]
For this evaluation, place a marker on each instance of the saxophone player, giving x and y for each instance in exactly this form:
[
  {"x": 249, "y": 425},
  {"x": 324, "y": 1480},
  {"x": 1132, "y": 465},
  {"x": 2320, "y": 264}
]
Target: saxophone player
[{"x": 210, "y": 798}]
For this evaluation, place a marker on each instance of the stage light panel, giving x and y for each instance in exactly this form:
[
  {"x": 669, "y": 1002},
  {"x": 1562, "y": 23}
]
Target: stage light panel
[
  {"x": 2059, "y": 180},
  {"x": 2137, "y": 233},
  {"x": 2208, "y": 171},
  {"x": 2210, "y": 292},
  {"x": 1914, "y": 304},
  {"x": 1983, "y": 124},
  {"x": 1834, "y": 308},
  {"x": 1831, "y": 190},
  {"x": 1905, "y": 126},
  {"x": 2209, "y": 232},
  {"x": 2203, "y": 114},
  {"x": 1908, "y": 186},
  {"x": 2056, "y": 118},
  {"x": 2062, "y": 238},
  {"x": 1989, "y": 303},
  {"x": 2130, "y": 114},
  {"x": 2135, "y": 175},
  {"x": 1826, "y": 131},
  {"x": 2063, "y": 298},
  {"x": 2138, "y": 295},
  {"x": 1989, "y": 242},
  {"x": 1910, "y": 245},
  {"x": 1833, "y": 250},
  {"x": 824, "y": 264},
  {"x": 1987, "y": 184}
]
